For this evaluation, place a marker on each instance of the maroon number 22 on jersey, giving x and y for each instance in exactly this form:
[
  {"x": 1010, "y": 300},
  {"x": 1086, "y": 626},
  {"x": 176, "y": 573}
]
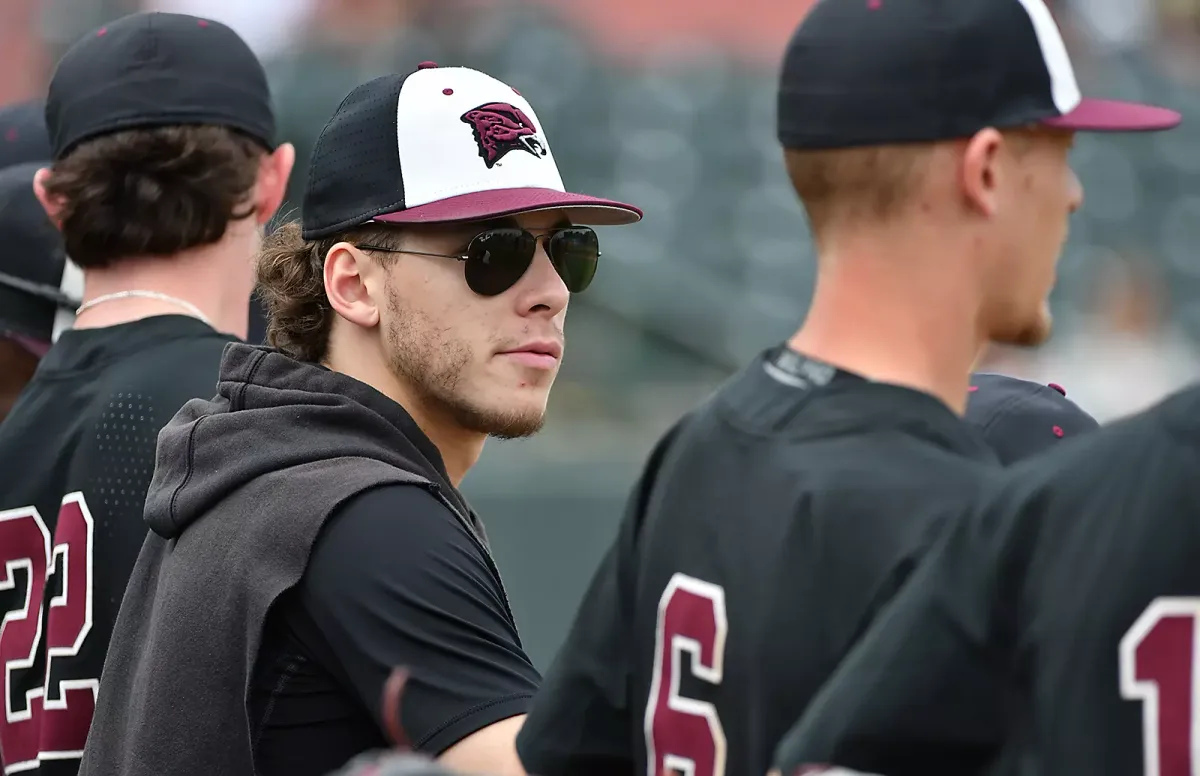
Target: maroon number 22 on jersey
[{"x": 41, "y": 721}]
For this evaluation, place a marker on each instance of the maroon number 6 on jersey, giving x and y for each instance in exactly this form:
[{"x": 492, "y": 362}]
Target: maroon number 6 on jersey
[
  {"x": 45, "y": 722},
  {"x": 684, "y": 735},
  {"x": 1158, "y": 667}
]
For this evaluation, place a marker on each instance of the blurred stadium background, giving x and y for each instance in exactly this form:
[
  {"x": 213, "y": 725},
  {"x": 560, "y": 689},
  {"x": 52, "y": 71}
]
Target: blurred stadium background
[{"x": 670, "y": 104}]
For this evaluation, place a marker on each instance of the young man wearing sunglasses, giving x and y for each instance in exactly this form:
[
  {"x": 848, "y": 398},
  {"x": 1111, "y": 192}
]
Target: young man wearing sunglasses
[{"x": 308, "y": 534}]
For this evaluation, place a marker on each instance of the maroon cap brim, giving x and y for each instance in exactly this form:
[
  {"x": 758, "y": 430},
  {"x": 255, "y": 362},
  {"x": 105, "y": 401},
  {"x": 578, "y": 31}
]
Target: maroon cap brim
[
  {"x": 485, "y": 205},
  {"x": 1093, "y": 115}
]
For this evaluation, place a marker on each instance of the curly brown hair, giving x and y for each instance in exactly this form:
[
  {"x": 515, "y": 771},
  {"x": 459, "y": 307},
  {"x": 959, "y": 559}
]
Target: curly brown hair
[
  {"x": 291, "y": 285},
  {"x": 153, "y": 191}
]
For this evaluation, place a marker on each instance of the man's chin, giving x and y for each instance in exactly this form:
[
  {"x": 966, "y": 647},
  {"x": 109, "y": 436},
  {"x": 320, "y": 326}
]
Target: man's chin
[
  {"x": 513, "y": 421},
  {"x": 1031, "y": 335},
  {"x": 513, "y": 426}
]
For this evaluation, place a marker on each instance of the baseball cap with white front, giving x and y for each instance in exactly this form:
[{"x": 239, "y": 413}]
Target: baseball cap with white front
[{"x": 441, "y": 145}]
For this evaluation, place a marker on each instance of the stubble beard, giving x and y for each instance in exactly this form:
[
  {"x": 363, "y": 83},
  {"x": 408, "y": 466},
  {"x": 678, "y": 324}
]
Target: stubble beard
[{"x": 431, "y": 362}]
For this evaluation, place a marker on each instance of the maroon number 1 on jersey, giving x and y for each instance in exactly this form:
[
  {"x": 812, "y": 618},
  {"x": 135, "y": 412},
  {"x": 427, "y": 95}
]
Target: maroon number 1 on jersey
[{"x": 1158, "y": 667}]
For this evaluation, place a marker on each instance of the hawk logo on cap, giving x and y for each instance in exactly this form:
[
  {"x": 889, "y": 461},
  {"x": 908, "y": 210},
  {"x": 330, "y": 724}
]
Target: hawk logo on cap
[{"x": 500, "y": 128}]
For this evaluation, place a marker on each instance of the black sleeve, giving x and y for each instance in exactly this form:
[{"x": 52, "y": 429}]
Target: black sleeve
[
  {"x": 582, "y": 721},
  {"x": 927, "y": 690},
  {"x": 395, "y": 579}
]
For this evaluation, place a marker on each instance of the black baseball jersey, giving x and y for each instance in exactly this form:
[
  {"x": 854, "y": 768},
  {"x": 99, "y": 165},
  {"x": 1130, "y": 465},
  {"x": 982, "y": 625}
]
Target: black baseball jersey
[
  {"x": 76, "y": 456},
  {"x": 1054, "y": 632},
  {"x": 767, "y": 528}
]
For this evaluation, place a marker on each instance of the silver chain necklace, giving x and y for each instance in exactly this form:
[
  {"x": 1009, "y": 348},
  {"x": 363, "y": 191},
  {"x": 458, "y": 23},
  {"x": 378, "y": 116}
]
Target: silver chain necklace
[{"x": 191, "y": 308}]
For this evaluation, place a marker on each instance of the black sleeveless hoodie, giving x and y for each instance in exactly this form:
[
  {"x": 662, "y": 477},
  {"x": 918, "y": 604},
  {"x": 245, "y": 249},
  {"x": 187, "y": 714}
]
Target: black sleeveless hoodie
[{"x": 242, "y": 485}]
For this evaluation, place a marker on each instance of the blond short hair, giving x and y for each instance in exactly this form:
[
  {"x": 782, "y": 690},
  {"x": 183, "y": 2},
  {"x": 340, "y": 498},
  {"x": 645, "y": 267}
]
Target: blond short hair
[{"x": 848, "y": 185}]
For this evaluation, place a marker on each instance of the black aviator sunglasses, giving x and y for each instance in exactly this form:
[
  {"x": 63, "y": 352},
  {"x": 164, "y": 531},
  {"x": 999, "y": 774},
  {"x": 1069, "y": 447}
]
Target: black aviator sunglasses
[{"x": 497, "y": 258}]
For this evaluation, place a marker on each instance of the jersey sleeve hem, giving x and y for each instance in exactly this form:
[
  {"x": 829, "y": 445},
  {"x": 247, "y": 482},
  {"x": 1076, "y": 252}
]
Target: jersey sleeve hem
[{"x": 471, "y": 721}]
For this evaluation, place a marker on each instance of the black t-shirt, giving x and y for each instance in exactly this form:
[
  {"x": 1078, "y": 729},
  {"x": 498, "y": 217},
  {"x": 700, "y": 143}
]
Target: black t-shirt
[
  {"x": 76, "y": 456},
  {"x": 767, "y": 529},
  {"x": 1055, "y": 632},
  {"x": 395, "y": 579}
]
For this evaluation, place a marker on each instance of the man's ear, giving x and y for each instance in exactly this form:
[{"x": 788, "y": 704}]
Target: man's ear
[
  {"x": 52, "y": 205},
  {"x": 346, "y": 285},
  {"x": 981, "y": 171},
  {"x": 274, "y": 171}
]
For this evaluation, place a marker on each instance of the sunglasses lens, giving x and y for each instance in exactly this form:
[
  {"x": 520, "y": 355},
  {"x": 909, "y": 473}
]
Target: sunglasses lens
[
  {"x": 497, "y": 258},
  {"x": 575, "y": 252}
]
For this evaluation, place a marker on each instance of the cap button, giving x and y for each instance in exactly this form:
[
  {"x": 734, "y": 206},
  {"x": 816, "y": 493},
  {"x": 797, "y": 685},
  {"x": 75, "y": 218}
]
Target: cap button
[{"x": 427, "y": 65}]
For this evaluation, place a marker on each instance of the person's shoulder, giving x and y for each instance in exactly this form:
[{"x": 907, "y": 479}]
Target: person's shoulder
[
  {"x": 391, "y": 502},
  {"x": 1160, "y": 440},
  {"x": 389, "y": 520},
  {"x": 894, "y": 462},
  {"x": 1142, "y": 465},
  {"x": 1177, "y": 415},
  {"x": 394, "y": 538},
  {"x": 178, "y": 369},
  {"x": 201, "y": 348}
]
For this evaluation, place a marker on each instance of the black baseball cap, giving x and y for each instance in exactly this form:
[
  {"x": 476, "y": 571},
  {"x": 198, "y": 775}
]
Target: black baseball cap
[
  {"x": 23, "y": 136},
  {"x": 1020, "y": 418},
  {"x": 157, "y": 69},
  {"x": 875, "y": 72},
  {"x": 32, "y": 261},
  {"x": 439, "y": 145}
]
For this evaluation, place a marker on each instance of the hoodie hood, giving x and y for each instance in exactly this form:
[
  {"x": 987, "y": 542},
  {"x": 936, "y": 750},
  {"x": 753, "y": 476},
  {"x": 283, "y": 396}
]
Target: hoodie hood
[{"x": 273, "y": 414}]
